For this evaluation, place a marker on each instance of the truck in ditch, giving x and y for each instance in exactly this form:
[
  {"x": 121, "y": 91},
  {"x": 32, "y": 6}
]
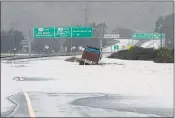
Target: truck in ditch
[{"x": 91, "y": 56}]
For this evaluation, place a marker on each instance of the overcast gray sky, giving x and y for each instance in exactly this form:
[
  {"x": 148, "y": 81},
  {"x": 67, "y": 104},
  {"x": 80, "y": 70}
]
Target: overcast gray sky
[{"x": 133, "y": 15}]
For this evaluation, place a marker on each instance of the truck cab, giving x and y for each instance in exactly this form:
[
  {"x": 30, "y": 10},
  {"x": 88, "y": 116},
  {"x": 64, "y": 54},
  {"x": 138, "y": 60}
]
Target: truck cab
[{"x": 91, "y": 55}]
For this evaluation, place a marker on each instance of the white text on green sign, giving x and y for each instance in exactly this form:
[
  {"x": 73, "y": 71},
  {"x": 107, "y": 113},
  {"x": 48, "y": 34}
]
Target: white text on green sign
[
  {"x": 82, "y": 32},
  {"x": 44, "y": 32},
  {"x": 63, "y": 32},
  {"x": 148, "y": 36}
]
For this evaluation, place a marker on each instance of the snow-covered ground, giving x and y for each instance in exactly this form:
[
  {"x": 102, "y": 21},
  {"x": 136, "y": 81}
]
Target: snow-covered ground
[
  {"x": 128, "y": 42},
  {"x": 151, "y": 44},
  {"x": 135, "y": 78},
  {"x": 8, "y": 87},
  {"x": 123, "y": 42}
]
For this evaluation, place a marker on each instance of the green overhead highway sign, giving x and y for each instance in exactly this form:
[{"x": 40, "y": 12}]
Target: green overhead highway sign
[
  {"x": 82, "y": 32},
  {"x": 148, "y": 36},
  {"x": 44, "y": 32},
  {"x": 63, "y": 32}
]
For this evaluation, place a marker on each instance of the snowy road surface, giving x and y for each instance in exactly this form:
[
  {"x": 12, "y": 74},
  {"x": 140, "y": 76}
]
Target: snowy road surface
[{"x": 60, "y": 88}]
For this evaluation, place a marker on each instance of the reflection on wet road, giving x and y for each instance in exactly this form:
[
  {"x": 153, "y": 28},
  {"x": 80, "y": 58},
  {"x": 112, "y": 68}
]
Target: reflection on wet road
[{"x": 83, "y": 105}]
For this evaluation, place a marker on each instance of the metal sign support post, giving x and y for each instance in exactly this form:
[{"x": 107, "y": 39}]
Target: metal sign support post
[
  {"x": 71, "y": 40},
  {"x": 30, "y": 45},
  {"x": 160, "y": 42},
  {"x": 14, "y": 41},
  {"x": 14, "y": 45},
  {"x": 153, "y": 40},
  {"x": 30, "y": 52},
  {"x": 161, "y": 37},
  {"x": 101, "y": 43},
  {"x": 111, "y": 48}
]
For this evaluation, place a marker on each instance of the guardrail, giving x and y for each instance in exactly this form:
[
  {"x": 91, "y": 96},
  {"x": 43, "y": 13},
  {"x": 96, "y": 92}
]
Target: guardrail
[{"x": 38, "y": 56}]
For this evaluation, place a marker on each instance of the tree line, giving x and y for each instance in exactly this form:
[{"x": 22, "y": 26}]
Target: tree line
[
  {"x": 165, "y": 25},
  {"x": 11, "y": 40}
]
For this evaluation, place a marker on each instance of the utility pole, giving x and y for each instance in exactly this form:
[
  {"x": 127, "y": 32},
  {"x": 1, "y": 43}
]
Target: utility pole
[
  {"x": 71, "y": 42},
  {"x": 101, "y": 44},
  {"x": 14, "y": 45},
  {"x": 86, "y": 10},
  {"x": 153, "y": 40},
  {"x": 14, "y": 41}
]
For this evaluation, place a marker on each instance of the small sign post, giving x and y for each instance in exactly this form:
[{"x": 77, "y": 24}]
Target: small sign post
[{"x": 116, "y": 47}]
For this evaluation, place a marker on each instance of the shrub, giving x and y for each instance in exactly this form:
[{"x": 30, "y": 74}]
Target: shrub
[
  {"x": 164, "y": 55},
  {"x": 161, "y": 55},
  {"x": 135, "y": 53}
]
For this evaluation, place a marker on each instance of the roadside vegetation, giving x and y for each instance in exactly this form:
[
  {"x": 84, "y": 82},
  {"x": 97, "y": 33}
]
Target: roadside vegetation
[{"x": 161, "y": 55}]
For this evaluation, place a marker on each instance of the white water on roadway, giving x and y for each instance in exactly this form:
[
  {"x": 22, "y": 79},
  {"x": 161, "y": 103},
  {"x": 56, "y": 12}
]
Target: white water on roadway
[{"x": 145, "y": 79}]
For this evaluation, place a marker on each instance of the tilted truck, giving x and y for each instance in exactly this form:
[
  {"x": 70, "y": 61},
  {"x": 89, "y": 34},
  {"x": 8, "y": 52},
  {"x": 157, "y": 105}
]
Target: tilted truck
[{"x": 91, "y": 55}]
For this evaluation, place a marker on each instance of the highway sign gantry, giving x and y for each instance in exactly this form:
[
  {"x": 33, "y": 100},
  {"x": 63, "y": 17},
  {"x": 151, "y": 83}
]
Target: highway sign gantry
[{"x": 63, "y": 32}]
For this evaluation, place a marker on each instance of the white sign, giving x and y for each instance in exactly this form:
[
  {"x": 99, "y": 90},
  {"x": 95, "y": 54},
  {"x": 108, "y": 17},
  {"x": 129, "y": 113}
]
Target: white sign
[
  {"x": 65, "y": 49},
  {"x": 111, "y": 35},
  {"x": 40, "y": 29},
  {"x": 46, "y": 46},
  {"x": 73, "y": 47},
  {"x": 80, "y": 48},
  {"x": 23, "y": 42},
  {"x": 25, "y": 46},
  {"x": 60, "y": 29}
]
